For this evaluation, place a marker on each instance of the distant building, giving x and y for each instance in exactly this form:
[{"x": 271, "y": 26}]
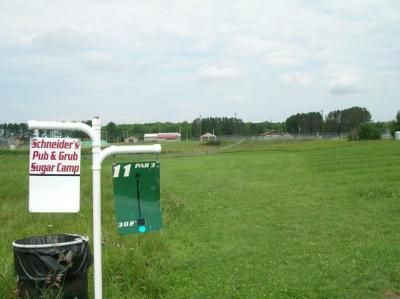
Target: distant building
[
  {"x": 208, "y": 137},
  {"x": 150, "y": 137},
  {"x": 160, "y": 137},
  {"x": 397, "y": 135},
  {"x": 271, "y": 133},
  {"x": 14, "y": 140},
  {"x": 131, "y": 139},
  {"x": 169, "y": 136}
]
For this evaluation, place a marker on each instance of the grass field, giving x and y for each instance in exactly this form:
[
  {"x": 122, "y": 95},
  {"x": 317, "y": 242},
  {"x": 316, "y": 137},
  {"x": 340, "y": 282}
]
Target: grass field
[{"x": 310, "y": 219}]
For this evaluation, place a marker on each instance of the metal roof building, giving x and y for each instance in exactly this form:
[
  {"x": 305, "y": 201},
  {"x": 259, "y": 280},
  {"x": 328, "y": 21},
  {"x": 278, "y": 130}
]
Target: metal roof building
[
  {"x": 162, "y": 137},
  {"x": 208, "y": 137}
]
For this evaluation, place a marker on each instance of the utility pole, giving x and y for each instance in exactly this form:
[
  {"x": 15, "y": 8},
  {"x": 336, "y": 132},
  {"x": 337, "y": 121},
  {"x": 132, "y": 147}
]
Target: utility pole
[
  {"x": 235, "y": 126},
  {"x": 323, "y": 122},
  {"x": 200, "y": 127}
]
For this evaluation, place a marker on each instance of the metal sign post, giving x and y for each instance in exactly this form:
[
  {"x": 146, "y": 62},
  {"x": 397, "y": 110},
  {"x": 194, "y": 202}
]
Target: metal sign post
[{"x": 98, "y": 157}]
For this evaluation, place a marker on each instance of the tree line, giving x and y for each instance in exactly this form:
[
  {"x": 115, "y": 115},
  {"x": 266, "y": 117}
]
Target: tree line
[
  {"x": 337, "y": 122},
  {"x": 113, "y": 132},
  {"x": 14, "y": 129},
  {"x": 217, "y": 125}
]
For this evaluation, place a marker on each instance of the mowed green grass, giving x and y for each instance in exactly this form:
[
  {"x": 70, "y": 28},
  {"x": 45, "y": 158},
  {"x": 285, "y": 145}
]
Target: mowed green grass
[{"x": 312, "y": 219}]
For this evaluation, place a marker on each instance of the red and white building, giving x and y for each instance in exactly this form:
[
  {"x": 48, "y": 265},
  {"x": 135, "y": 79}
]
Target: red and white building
[{"x": 159, "y": 137}]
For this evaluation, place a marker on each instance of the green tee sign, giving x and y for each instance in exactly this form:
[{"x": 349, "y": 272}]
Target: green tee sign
[{"x": 137, "y": 196}]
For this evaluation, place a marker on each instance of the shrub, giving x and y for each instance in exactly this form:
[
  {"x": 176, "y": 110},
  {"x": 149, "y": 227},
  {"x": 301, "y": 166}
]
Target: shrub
[
  {"x": 368, "y": 131},
  {"x": 213, "y": 142}
]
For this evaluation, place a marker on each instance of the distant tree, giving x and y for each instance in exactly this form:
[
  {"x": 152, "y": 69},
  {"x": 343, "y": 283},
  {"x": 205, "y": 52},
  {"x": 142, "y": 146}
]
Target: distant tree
[
  {"x": 304, "y": 123},
  {"x": 344, "y": 121},
  {"x": 253, "y": 129},
  {"x": 396, "y": 124},
  {"x": 293, "y": 123},
  {"x": 25, "y": 134},
  {"x": 332, "y": 122},
  {"x": 196, "y": 128},
  {"x": 218, "y": 125},
  {"x": 78, "y": 134},
  {"x": 352, "y": 118},
  {"x": 114, "y": 133},
  {"x": 369, "y": 131},
  {"x": 13, "y": 129}
]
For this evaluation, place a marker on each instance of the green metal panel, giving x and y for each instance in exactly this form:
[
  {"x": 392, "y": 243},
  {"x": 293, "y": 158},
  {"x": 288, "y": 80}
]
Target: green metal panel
[{"x": 137, "y": 196}]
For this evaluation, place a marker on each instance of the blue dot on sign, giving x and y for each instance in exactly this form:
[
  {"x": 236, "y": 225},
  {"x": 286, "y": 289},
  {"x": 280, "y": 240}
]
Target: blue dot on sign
[{"x": 142, "y": 229}]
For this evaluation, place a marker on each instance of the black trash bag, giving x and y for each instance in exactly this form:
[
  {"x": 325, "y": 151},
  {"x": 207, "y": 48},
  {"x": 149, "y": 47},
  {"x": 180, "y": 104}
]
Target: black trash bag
[{"x": 54, "y": 265}]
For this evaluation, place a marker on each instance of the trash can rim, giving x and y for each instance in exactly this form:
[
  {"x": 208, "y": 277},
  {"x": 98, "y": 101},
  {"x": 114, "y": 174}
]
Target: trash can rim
[{"x": 78, "y": 240}]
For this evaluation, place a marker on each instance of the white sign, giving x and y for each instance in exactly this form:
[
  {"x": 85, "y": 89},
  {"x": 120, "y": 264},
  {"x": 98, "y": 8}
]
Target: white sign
[{"x": 54, "y": 175}]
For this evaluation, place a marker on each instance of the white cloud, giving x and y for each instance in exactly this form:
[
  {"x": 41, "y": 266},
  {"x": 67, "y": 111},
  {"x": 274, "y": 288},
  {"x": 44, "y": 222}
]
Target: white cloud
[
  {"x": 8, "y": 40},
  {"x": 344, "y": 79},
  {"x": 107, "y": 61},
  {"x": 235, "y": 99},
  {"x": 215, "y": 73},
  {"x": 297, "y": 79},
  {"x": 272, "y": 52},
  {"x": 249, "y": 45},
  {"x": 341, "y": 88},
  {"x": 62, "y": 39},
  {"x": 350, "y": 8},
  {"x": 284, "y": 58}
]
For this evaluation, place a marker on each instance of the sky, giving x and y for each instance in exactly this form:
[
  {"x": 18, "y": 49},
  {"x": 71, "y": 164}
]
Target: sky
[{"x": 132, "y": 61}]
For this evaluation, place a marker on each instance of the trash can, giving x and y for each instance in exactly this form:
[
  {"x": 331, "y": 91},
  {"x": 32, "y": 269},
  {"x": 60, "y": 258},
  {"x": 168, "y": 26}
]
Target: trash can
[{"x": 55, "y": 266}]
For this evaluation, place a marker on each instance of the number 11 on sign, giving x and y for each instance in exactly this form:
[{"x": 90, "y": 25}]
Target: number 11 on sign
[{"x": 117, "y": 168}]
